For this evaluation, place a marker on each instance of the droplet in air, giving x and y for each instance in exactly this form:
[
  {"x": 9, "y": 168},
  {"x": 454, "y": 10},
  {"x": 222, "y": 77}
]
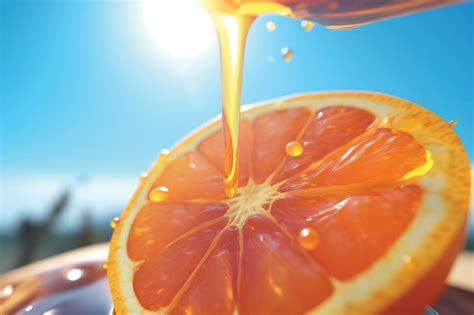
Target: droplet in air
[
  {"x": 294, "y": 148},
  {"x": 308, "y": 238},
  {"x": 158, "y": 194},
  {"x": 114, "y": 222},
  {"x": 307, "y": 25},
  {"x": 7, "y": 290},
  {"x": 287, "y": 54},
  {"x": 28, "y": 308},
  {"x": 453, "y": 123},
  {"x": 271, "y": 26}
]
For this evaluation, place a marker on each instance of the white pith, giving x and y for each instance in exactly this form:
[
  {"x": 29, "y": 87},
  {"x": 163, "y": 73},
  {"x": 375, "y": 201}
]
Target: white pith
[
  {"x": 250, "y": 200},
  {"x": 373, "y": 282}
]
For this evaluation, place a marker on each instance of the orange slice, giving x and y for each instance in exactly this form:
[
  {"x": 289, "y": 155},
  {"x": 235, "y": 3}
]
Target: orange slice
[{"x": 349, "y": 203}]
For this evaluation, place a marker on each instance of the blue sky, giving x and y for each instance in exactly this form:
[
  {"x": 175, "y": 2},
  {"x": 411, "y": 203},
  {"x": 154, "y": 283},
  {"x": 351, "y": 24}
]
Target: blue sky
[{"x": 85, "y": 89}]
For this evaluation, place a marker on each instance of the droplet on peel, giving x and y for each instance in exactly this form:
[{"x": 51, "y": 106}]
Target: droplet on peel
[
  {"x": 294, "y": 148},
  {"x": 287, "y": 54},
  {"x": 7, "y": 290},
  {"x": 158, "y": 194},
  {"x": 165, "y": 152},
  {"x": 114, "y": 222},
  {"x": 308, "y": 238},
  {"x": 453, "y": 123},
  {"x": 143, "y": 175},
  {"x": 105, "y": 265},
  {"x": 307, "y": 25},
  {"x": 271, "y": 26}
]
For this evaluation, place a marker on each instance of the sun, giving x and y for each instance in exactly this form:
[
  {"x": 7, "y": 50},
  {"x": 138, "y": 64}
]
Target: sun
[{"x": 179, "y": 27}]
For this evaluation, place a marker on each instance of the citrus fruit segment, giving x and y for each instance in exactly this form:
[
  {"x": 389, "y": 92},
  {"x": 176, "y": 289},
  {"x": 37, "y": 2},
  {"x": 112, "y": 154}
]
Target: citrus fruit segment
[
  {"x": 271, "y": 132},
  {"x": 215, "y": 280},
  {"x": 353, "y": 230},
  {"x": 276, "y": 276},
  {"x": 157, "y": 225},
  {"x": 347, "y": 202},
  {"x": 327, "y": 130}
]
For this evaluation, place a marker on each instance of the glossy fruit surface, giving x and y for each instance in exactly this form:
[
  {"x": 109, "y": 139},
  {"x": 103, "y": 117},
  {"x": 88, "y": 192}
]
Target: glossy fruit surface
[{"x": 366, "y": 218}]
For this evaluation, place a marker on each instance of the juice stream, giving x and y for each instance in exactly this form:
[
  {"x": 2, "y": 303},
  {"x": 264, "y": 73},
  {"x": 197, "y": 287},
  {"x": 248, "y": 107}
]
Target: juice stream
[
  {"x": 232, "y": 29},
  {"x": 233, "y": 19}
]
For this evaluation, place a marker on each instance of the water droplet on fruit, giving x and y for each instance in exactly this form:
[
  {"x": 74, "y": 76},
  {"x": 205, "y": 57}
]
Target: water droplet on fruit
[
  {"x": 294, "y": 148},
  {"x": 287, "y": 54},
  {"x": 143, "y": 175},
  {"x": 165, "y": 152},
  {"x": 307, "y": 25},
  {"x": 308, "y": 238},
  {"x": 158, "y": 194},
  {"x": 271, "y": 26},
  {"x": 114, "y": 222}
]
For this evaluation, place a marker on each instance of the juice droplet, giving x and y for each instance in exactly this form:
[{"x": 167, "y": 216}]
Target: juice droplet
[
  {"x": 143, "y": 175},
  {"x": 165, "y": 152},
  {"x": 114, "y": 222},
  {"x": 453, "y": 123},
  {"x": 287, "y": 54},
  {"x": 271, "y": 26},
  {"x": 307, "y": 25},
  {"x": 105, "y": 265},
  {"x": 308, "y": 238},
  {"x": 158, "y": 194},
  {"x": 294, "y": 148}
]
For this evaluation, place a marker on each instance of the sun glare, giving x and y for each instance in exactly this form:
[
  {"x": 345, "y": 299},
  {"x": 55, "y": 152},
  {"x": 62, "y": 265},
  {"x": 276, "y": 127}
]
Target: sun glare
[{"x": 180, "y": 27}]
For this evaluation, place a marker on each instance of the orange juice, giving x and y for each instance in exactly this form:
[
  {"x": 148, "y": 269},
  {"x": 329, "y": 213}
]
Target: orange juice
[{"x": 233, "y": 19}]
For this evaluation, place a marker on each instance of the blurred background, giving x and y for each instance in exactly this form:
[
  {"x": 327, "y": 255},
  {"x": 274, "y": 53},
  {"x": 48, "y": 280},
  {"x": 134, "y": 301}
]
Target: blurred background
[{"x": 91, "y": 91}]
